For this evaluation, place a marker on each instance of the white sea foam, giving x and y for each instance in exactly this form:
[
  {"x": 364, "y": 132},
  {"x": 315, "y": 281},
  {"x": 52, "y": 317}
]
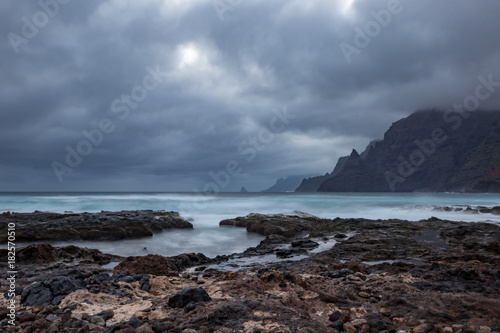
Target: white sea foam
[{"x": 206, "y": 212}]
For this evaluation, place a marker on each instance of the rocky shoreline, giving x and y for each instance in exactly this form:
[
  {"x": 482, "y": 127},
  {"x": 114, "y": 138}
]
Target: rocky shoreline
[
  {"x": 307, "y": 275},
  {"x": 44, "y": 226}
]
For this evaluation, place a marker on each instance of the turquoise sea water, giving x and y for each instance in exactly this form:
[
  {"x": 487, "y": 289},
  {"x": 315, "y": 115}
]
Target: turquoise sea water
[{"x": 206, "y": 212}]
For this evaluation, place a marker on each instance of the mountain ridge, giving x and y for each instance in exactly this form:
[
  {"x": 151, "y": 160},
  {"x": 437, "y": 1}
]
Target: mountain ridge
[
  {"x": 288, "y": 184},
  {"x": 431, "y": 151},
  {"x": 312, "y": 184}
]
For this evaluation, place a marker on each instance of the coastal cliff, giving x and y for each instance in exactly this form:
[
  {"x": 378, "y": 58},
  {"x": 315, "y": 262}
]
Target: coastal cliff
[
  {"x": 288, "y": 184},
  {"x": 433, "y": 151}
]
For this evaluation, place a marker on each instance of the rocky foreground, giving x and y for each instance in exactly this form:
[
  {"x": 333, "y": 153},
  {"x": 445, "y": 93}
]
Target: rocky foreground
[
  {"x": 377, "y": 276},
  {"x": 42, "y": 226}
]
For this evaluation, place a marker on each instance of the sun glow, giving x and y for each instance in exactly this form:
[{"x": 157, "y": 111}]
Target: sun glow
[
  {"x": 189, "y": 55},
  {"x": 346, "y": 7}
]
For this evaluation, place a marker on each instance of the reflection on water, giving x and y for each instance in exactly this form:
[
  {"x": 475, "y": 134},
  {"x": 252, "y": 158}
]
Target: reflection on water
[{"x": 209, "y": 241}]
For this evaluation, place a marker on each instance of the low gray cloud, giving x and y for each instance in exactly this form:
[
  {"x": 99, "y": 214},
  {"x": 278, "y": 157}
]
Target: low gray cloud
[{"x": 225, "y": 72}]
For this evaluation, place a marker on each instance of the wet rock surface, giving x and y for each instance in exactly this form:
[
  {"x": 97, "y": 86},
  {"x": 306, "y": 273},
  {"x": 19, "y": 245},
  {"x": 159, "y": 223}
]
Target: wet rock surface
[
  {"x": 158, "y": 265},
  {"x": 279, "y": 224},
  {"x": 40, "y": 262},
  {"x": 380, "y": 276},
  {"x": 469, "y": 209},
  {"x": 43, "y": 226}
]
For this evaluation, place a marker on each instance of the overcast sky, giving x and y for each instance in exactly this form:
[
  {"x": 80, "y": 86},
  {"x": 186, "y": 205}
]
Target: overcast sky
[{"x": 170, "y": 91}]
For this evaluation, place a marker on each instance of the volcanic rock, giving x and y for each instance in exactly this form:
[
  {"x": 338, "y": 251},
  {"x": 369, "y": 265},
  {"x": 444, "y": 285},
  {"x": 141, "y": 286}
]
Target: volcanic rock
[
  {"x": 410, "y": 278},
  {"x": 38, "y": 253},
  {"x": 158, "y": 265},
  {"x": 305, "y": 243},
  {"x": 50, "y": 291},
  {"x": 38, "y": 226},
  {"x": 188, "y": 295},
  {"x": 151, "y": 264}
]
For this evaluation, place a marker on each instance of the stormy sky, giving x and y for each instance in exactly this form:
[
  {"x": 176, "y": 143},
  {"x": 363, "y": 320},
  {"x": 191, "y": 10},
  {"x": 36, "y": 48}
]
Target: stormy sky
[{"x": 166, "y": 95}]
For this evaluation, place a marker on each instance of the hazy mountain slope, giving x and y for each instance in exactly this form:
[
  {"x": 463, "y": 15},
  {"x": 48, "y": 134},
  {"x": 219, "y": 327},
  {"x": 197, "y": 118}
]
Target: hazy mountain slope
[
  {"x": 288, "y": 184},
  {"x": 313, "y": 183}
]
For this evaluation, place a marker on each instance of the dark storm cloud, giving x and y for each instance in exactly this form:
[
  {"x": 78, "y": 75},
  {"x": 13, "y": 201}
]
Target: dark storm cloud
[{"x": 223, "y": 76}]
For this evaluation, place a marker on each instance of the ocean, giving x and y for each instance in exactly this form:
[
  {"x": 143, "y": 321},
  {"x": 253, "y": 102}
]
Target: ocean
[{"x": 206, "y": 211}]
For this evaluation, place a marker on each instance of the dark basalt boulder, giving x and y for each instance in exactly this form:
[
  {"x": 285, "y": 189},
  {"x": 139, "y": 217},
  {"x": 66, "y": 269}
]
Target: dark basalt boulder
[
  {"x": 305, "y": 243},
  {"x": 50, "y": 291},
  {"x": 143, "y": 279},
  {"x": 188, "y": 295},
  {"x": 186, "y": 260}
]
